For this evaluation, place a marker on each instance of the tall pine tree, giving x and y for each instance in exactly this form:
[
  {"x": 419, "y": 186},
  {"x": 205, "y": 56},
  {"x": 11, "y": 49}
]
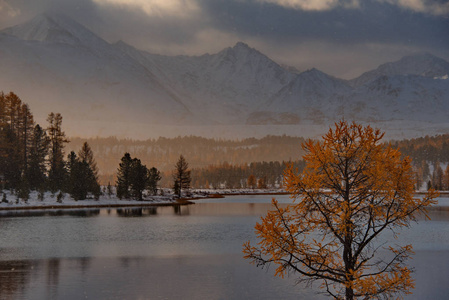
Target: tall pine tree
[
  {"x": 16, "y": 126},
  {"x": 38, "y": 151},
  {"x": 81, "y": 179},
  {"x": 57, "y": 172},
  {"x": 124, "y": 177},
  {"x": 154, "y": 176},
  {"x": 181, "y": 176},
  {"x": 138, "y": 179},
  {"x": 86, "y": 154}
]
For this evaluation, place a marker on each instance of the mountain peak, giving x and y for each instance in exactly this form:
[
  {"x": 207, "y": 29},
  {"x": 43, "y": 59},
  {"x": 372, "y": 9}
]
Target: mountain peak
[
  {"x": 241, "y": 46},
  {"x": 53, "y": 27}
]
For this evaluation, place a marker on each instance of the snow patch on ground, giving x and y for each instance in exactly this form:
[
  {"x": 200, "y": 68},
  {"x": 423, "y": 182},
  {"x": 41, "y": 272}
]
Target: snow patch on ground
[
  {"x": 51, "y": 200},
  {"x": 164, "y": 197}
]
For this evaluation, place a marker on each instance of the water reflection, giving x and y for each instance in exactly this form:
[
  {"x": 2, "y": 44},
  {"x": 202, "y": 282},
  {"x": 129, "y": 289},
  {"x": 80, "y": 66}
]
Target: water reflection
[
  {"x": 14, "y": 277},
  {"x": 136, "y": 212},
  {"x": 177, "y": 277},
  {"x": 53, "y": 268},
  {"x": 209, "y": 209},
  {"x": 89, "y": 212}
]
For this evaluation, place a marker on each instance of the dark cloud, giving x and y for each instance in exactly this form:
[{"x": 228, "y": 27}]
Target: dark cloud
[
  {"x": 373, "y": 22},
  {"x": 372, "y": 32}
]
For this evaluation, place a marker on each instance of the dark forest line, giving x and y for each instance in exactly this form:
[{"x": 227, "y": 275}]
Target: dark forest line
[{"x": 222, "y": 163}]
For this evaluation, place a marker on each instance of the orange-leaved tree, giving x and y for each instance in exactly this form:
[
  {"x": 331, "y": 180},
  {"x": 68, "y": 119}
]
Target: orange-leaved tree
[{"x": 352, "y": 189}]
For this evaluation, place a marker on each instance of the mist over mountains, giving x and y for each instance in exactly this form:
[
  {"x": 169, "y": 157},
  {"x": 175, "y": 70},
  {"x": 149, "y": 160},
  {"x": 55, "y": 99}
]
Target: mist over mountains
[{"x": 55, "y": 64}]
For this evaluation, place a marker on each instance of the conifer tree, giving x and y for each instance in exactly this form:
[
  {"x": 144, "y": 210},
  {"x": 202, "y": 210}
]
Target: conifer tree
[
  {"x": 16, "y": 125},
  {"x": 3, "y": 141},
  {"x": 124, "y": 177},
  {"x": 154, "y": 176},
  {"x": 57, "y": 139},
  {"x": 437, "y": 176},
  {"x": 138, "y": 179},
  {"x": 82, "y": 180},
  {"x": 86, "y": 154},
  {"x": 26, "y": 131},
  {"x": 181, "y": 176},
  {"x": 38, "y": 149}
]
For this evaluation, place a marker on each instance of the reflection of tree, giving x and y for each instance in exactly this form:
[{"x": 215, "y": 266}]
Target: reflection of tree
[
  {"x": 84, "y": 263},
  {"x": 129, "y": 212},
  {"x": 55, "y": 212},
  {"x": 137, "y": 212},
  {"x": 53, "y": 276},
  {"x": 181, "y": 210},
  {"x": 84, "y": 212},
  {"x": 150, "y": 210},
  {"x": 14, "y": 276}
]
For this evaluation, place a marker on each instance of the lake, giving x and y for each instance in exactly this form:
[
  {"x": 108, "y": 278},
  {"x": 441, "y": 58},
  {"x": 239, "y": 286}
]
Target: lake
[{"x": 180, "y": 252}]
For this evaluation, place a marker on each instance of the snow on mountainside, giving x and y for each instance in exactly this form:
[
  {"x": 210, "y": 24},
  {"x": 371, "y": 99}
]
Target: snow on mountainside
[
  {"x": 224, "y": 86},
  {"x": 423, "y": 64},
  {"x": 55, "y": 28},
  {"x": 55, "y": 64},
  {"x": 400, "y": 97},
  {"x": 312, "y": 96}
]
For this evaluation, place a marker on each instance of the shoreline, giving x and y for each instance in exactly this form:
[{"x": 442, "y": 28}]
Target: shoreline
[
  {"x": 135, "y": 203},
  {"x": 62, "y": 206},
  {"x": 171, "y": 202}
]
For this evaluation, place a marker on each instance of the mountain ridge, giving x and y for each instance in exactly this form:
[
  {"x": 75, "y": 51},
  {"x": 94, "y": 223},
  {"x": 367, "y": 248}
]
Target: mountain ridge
[{"x": 237, "y": 85}]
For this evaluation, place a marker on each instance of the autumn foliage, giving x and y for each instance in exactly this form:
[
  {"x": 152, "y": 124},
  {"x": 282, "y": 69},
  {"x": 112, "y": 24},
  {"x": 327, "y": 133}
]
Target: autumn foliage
[{"x": 352, "y": 189}]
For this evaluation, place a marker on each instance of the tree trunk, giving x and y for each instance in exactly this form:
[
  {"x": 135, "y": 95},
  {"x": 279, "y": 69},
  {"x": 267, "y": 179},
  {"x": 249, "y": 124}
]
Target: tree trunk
[{"x": 349, "y": 293}]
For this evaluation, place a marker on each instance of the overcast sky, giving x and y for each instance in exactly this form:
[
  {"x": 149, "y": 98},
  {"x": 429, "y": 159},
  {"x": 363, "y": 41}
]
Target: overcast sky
[{"x": 340, "y": 37}]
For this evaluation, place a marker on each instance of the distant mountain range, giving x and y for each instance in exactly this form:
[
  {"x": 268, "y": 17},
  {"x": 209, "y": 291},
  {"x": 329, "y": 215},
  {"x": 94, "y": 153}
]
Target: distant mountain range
[{"x": 55, "y": 64}]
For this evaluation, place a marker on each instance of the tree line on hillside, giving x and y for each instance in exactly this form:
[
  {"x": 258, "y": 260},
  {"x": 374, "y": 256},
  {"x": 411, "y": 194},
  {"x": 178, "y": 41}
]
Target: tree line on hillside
[
  {"x": 430, "y": 156},
  {"x": 432, "y": 149},
  {"x": 254, "y": 175},
  {"x": 204, "y": 152},
  {"x": 201, "y": 152}
]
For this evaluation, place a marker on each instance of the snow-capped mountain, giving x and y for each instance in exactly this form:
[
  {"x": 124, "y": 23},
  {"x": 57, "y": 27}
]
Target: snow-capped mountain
[
  {"x": 54, "y": 28},
  {"x": 423, "y": 64},
  {"x": 311, "y": 96},
  {"x": 401, "y": 97},
  {"x": 224, "y": 86},
  {"x": 55, "y": 64}
]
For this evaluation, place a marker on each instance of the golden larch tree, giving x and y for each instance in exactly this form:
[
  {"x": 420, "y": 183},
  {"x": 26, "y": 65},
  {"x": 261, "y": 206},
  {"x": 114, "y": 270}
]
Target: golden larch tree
[{"x": 352, "y": 189}]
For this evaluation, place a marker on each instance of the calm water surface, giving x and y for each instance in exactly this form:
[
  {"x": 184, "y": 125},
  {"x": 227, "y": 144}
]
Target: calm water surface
[{"x": 184, "y": 252}]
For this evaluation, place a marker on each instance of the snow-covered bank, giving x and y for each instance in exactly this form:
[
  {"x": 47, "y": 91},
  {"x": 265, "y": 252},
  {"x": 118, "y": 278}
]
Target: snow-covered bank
[
  {"x": 51, "y": 201},
  {"x": 238, "y": 191}
]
